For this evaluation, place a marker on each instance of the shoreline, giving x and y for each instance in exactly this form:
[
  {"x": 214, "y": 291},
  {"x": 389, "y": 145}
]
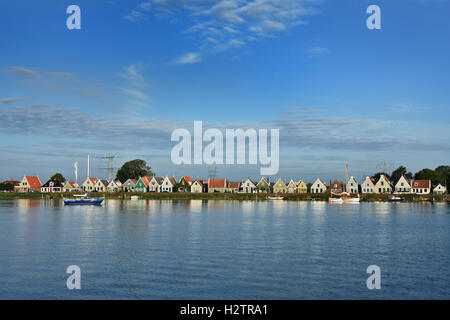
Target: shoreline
[{"x": 221, "y": 196}]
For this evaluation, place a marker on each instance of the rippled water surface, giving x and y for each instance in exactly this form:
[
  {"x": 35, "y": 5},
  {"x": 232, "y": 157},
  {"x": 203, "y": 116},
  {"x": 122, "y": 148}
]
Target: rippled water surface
[{"x": 149, "y": 249}]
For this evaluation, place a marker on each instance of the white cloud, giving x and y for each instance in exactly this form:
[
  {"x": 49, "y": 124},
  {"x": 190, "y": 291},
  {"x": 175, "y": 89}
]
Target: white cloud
[
  {"x": 215, "y": 23},
  {"x": 6, "y": 101},
  {"x": 188, "y": 58},
  {"x": 316, "y": 50}
]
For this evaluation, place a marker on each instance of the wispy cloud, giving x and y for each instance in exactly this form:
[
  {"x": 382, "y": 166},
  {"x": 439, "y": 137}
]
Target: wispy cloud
[
  {"x": 135, "y": 87},
  {"x": 6, "y": 101},
  {"x": 316, "y": 51},
  {"x": 23, "y": 71},
  {"x": 224, "y": 24},
  {"x": 188, "y": 58}
]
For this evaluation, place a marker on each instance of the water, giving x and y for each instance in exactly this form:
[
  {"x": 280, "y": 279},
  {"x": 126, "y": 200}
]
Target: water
[{"x": 224, "y": 250}]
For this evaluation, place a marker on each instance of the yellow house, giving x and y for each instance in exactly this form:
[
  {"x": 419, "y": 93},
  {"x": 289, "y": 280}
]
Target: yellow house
[
  {"x": 279, "y": 187},
  {"x": 302, "y": 187},
  {"x": 383, "y": 185}
]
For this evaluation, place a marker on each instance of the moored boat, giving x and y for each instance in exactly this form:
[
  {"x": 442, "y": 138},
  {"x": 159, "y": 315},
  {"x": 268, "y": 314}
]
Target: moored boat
[
  {"x": 275, "y": 198},
  {"x": 344, "y": 196},
  {"x": 395, "y": 199}
]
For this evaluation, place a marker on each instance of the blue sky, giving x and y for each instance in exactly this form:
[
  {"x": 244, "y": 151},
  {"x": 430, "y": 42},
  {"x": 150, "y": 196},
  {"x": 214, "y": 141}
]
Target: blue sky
[{"x": 139, "y": 69}]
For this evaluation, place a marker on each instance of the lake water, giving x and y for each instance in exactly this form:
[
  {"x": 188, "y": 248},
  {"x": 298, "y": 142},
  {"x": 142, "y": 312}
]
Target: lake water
[{"x": 151, "y": 249}]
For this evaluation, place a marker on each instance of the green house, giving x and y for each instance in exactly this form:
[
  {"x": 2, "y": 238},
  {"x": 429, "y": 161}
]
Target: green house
[
  {"x": 263, "y": 186},
  {"x": 142, "y": 184}
]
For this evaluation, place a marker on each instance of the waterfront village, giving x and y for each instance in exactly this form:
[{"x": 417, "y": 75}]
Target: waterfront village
[{"x": 185, "y": 184}]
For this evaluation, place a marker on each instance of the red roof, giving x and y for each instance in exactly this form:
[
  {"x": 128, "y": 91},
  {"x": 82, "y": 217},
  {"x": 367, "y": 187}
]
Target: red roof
[
  {"x": 188, "y": 179},
  {"x": 216, "y": 183},
  {"x": 234, "y": 184},
  {"x": 93, "y": 180},
  {"x": 421, "y": 184},
  {"x": 34, "y": 182},
  {"x": 73, "y": 184},
  {"x": 146, "y": 180},
  {"x": 200, "y": 182}
]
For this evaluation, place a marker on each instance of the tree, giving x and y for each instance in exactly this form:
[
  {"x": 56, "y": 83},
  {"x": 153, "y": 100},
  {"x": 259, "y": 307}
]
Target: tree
[
  {"x": 399, "y": 172},
  {"x": 6, "y": 186},
  {"x": 377, "y": 175},
  {"x": 428, "y": 174},
  {"x": 58, "y": 177},
  {"x": 444, "y": 172},
  {"x": 133, "y": 170}
]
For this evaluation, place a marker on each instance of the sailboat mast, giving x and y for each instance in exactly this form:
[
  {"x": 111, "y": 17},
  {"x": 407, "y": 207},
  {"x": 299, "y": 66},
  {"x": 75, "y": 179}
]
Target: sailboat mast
[
  {"x": 88, "y": 168},
  {"x": 346, "y": 171}
]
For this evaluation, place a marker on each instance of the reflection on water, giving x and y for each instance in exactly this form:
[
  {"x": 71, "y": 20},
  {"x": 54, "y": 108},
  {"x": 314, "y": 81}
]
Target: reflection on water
[{"x": 198, "y": 249}]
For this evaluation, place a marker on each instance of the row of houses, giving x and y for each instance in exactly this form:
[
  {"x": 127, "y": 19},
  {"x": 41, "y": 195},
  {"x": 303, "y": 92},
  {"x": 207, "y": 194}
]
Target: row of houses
[{"x": 186, "y": 184}]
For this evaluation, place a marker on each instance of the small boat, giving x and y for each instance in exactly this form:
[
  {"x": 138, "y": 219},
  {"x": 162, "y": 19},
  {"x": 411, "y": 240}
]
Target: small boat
[
  {"x": 395, "y": 199},
  {"x": 275, "y": 198}
]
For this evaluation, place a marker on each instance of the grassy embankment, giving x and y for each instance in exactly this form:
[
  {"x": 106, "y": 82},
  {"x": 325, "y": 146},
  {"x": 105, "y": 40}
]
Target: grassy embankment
[{"x": 217, "y": 196}]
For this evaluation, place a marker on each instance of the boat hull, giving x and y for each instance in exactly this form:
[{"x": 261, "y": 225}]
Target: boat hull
[{"x": 83, "y": 201}]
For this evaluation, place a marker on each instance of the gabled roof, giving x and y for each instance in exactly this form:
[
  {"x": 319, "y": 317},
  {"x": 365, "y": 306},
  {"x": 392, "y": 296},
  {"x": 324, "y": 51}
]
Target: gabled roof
[
  {"x": 385, "y": 179},
  {"x": 73, "y": 184},
  {"x": 93, "y": 180},
  {"x": 159, "y": 180},
  {"x": 54, "y": 183},
  {"x": 293, "y": 183},
  {"x": 421, "y": 184},
  {"x": 34, "y": 182},
  {"x": 104, "y": 182},
  {"x": 145, "y": 180},
  {"x": 217, "y": 183},
  {"x": 187, "y": 179},
  {"x": 134, "y": 181},
  {"x": 199, "y": 181},
  {"x": 263, "y": 180},
  {"x": 172, "y": 181},
  {"x": 233, "y": 184},
  {"x": 321, "y": 181}
]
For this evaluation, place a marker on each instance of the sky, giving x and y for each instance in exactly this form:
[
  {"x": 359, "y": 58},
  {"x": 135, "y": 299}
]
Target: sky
[{"x": 137, "y": 70}]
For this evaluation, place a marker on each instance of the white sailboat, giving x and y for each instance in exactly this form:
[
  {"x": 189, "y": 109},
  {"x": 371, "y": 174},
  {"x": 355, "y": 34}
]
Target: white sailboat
[{"x": 344, "y": 197}]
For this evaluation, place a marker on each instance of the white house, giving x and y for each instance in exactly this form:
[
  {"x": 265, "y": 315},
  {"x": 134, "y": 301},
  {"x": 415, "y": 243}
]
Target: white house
[
  {"x": 168, "y": 184},
  {"x": 101, "y": 185},
  {"x": 248, "y": 186},
  {"x": 197, "y": 186},
  {"x": 318, "y": 186},
  {"x": 402, "y": 186},
  {"x": 71, "y": 187},
  {"x": 129, "y": 185},
  {"x": 89, "y": 184},
  {"x": 155, "y": 184},
  {"x": 383, "y": 185},
  {"x": 52, "y": 186},
  {"x": 352, "y": 185},
  {"x": 421, "y": 186},
  {"x": 368, "y": 185},
  {"x": 114, "y": 186},
  {"x": 439, "y": 189}
]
